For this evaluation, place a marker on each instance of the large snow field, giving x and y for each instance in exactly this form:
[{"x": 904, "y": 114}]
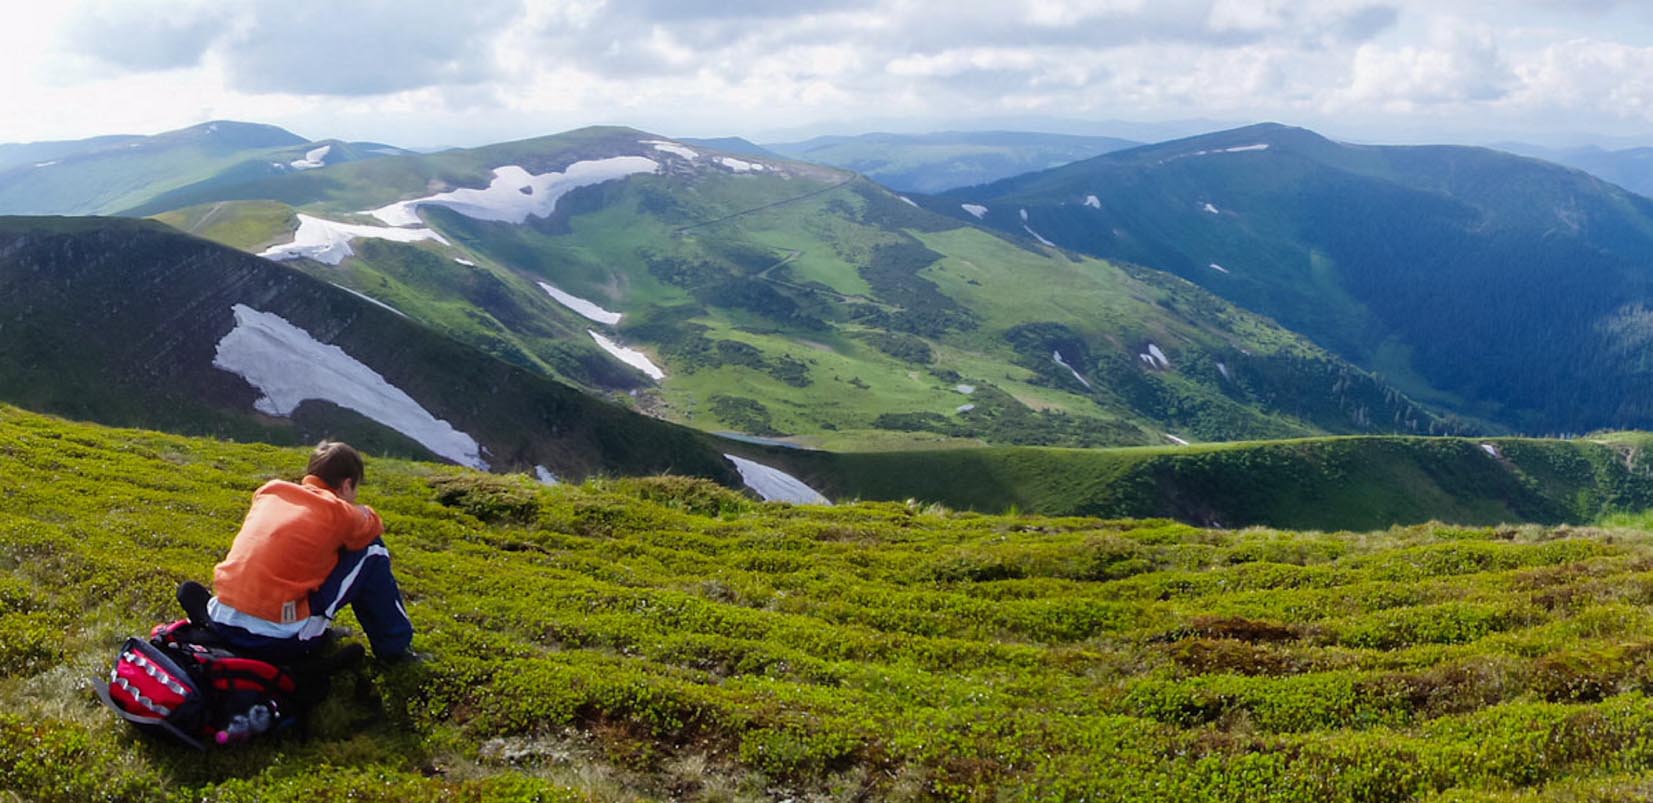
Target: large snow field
[
  {"x": 672, "y": 148},
  {"x": 289, "y": 366},
  {"x": 315, "y": 158},
  {"x": 581, "y": 305},
  {"x": 775, "y": 485},
  {"x": 631, "y": 357},
  {"x": 514, "y": 193},
  {"x": 328, "y": 241}
]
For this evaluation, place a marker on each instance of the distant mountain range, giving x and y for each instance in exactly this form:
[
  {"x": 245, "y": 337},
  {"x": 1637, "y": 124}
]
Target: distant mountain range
[
  {"x": 110, "y": 174},
  {"x": 1501, "y": 287},
  {"x": 1630, "y": 168},
  {"x": 542, "y": 305},
  {"x": 777, "y": 298},
  {"x": 943, "y": 161}
]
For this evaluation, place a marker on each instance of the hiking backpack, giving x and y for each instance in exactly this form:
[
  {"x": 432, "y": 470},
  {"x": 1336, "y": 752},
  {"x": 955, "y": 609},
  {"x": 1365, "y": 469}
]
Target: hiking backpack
[{"x": 178, "y": 682}]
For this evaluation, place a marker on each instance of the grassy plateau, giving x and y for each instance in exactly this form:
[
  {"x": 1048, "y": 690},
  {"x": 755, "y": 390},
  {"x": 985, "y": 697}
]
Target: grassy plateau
[{"x": 668, "y": 639}]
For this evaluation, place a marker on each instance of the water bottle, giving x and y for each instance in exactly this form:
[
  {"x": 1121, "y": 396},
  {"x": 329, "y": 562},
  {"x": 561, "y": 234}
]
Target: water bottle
[
  {"x": 237, "y": 731},
  {"x": 260, "y": 718},
  {"x": 242, "y": 727}
]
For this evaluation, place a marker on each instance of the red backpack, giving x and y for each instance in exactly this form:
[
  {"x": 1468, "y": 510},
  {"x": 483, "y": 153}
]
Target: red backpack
[{"x": 179, "y": 683}]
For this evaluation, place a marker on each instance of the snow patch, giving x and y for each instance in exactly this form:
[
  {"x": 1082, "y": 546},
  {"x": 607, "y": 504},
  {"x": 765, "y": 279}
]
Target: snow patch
[
  {"x": 515, "y": 194},
  {"x": 45, "y": 164},
  {"x": 369, "y": 299},
  {"x": 1218, "y": 268},
  {"x": 964, "y": 408},
  {"x": 975, "y": 209},
  {"x": 1492, "y": 451},
  {"x": 1154, "y": 357},
  {"x": 740, "y": 166},
  {"x": 1209, "y": 208},
  {"x": 581, "y": 305},
  {"x": 328, "y": 241},
  {"x": 907, "y": 201},
  {"x": 289, "y": 366},
  {"x": 1223, "y": 369},
  {"x": 965, "y": 389},
  {"x": 545, "y": 476},
  {"x": 1093, "y": 202},
  {"x": 631, "y": 357},
  {"x": 1023, "y": 214},
  {"x": 775, "y": 485},
  {"x": 1174, "y": 439},
  {"x": 1039, "y": 237},
  {"x": 1057, "y": 356},
  {"x": 315, "y": 158},
  {"x": 672, "y": 148},
  {"x": 1261, "y": 146},
  {"x": 467, "y": 263}
]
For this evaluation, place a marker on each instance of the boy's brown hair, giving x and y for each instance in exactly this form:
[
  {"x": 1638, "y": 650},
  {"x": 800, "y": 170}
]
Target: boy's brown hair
[{"x": 334, "y": 462}]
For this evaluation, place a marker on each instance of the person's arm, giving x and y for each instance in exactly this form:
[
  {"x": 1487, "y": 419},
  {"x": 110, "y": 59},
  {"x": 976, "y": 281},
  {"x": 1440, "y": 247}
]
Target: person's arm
[{"x": 362, "y": 525}]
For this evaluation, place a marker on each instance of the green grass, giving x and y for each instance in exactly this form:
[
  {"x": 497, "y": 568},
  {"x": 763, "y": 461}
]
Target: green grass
[
  {"x": 247, "y": 225},
  {"x": 658, "y": 638}
]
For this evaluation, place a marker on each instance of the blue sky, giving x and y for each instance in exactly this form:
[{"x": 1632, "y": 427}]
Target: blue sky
[{"x": 429, "y": 73}]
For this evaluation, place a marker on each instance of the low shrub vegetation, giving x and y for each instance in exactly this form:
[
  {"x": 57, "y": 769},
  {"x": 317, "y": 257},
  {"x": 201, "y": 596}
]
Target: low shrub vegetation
[{"x": 666, "y": 638}]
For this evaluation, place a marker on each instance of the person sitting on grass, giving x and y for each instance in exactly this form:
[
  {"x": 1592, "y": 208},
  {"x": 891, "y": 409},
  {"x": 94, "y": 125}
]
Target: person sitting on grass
[{"x": 304, "y": 551}]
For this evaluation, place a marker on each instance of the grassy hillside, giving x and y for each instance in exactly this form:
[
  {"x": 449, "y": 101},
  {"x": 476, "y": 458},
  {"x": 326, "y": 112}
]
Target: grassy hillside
[
  {"x": 123, "y": 322},
  {"x": 1322, "y": 483},
  {"x": 1500, "y": 287},
  {"x": 789, "y": 300},
  {"x": 653, "y": 639}
]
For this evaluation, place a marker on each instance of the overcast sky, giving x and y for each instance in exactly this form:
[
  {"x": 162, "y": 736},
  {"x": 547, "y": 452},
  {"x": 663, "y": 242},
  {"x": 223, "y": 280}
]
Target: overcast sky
[{"x": 418, "y": 73}]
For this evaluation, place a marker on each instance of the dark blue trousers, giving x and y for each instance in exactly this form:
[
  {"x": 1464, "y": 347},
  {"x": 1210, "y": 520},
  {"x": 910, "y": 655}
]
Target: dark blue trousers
[{"x": 363, "y": 581}]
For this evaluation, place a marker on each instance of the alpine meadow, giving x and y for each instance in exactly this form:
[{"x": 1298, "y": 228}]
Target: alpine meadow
[{"x": 839, "y": 401}]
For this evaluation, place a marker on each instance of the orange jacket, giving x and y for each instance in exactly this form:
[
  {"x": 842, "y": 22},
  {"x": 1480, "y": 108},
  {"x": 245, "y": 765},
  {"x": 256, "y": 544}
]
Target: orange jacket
[{"x": 287, "y": 546}]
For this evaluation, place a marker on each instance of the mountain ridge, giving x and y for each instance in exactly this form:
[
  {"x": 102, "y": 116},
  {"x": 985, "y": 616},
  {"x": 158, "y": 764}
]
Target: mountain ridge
[{"x": 1377, "y": 252}]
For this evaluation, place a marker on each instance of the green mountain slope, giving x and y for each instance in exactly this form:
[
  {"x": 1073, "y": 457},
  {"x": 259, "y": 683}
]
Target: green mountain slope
[
  {"x": 785, "y": 299},
  {"x": 109, "y": 174},
  {"x": 942, "y": 161},
  {"x": 1502, "y": 287},
  {"x": 665, "y": 639},
  {"x": 128, "y": 322},
  {"x": 1319, "y": 483}
]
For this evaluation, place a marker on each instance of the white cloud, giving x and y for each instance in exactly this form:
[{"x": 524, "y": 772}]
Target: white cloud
[
  {"x": 422, "y": 72},
  {"x": 1461, "y": 64}
]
